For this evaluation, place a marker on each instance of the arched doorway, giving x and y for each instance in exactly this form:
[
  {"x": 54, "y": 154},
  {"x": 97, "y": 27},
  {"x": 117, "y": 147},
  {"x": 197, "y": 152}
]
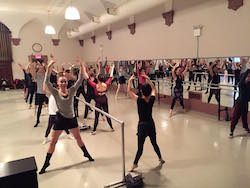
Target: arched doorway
[{"x": 5, "y": 54}]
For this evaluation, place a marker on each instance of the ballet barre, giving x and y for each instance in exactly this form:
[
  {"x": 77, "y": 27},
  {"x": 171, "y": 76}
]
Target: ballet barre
[{"x": 122, "y": 182}]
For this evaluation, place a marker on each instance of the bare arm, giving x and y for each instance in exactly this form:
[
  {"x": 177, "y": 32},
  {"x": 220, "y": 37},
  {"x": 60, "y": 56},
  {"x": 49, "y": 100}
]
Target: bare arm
[
  {"x": 186, "y": 68},
  {"x": 32, "y": 69},
  {"x": 151, "y": 84},
  {"x": 130, "y": 92},
  {"x": 47, "y": 78},
  {"x": 173, "y": 72},
  {"x": 112, "y": 70},
  {"x": 84, "y": 72}
]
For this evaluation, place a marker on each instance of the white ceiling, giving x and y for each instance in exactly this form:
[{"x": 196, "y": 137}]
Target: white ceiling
[
  {"x": 38, "y": 9},
  {"x": 95, "y": 7},
  {"x": 16, "y": 13}
]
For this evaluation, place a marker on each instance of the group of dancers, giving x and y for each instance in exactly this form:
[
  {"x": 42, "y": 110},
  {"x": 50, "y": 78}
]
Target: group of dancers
[{"x": 62, "y": 87}]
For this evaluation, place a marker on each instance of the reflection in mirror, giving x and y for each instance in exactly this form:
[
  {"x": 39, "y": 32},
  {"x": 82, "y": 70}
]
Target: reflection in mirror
[{"x": 206, "y": 76}]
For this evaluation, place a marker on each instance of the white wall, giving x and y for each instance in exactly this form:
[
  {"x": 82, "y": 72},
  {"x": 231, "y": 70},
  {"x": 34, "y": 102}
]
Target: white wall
[
  {"x": 33, "y": 32},
  {"x": 225, "y": 33}
]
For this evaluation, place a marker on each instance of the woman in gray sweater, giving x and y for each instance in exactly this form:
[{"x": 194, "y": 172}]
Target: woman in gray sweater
[{"x": 65, "y": 117}]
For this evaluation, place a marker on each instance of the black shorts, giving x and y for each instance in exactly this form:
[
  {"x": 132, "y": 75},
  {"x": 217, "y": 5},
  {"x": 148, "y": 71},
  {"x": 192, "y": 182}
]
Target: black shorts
[
  {"x": 62, "y": 123},
  {"x": 146, "y": 128},
  {"x": 40, "y": 99},
  {"x": 122, "y": 80}
]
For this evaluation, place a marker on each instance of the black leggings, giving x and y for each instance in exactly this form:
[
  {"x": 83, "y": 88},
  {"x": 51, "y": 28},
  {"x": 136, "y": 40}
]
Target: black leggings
[
  {"x": 141, "y": 140},
  {"x": 87, "y": 108},
  {"x": 208, "y": 82},
  {"x": 214, "y": 92},
  {"x": 41, "y": 98},
  {"x": 78, "y": 93},
  {"x": 101, "y": 103},
  {"x": 191, "y": 78},
  {"x": 51, "y": 122},
  {"x": 39, "y": 110},
  {"x": 175, "y": 98},
  {"x": 31, "y": 91}
]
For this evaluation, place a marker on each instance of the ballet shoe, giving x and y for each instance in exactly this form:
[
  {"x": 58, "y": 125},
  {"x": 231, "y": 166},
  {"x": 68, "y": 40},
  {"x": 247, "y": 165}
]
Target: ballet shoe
[
  {"x": 36, "y": 124},
  {"x": 231, "y": 135},
  {"x": 93, "y": 132},
  {"x": 89, "y": 157},
  {"x": 112, "y": 129},
  {"x": 133, "y": 168},
  {"x": 46, "y": 140},
  {"x": 86, "y": 153},
  {"x": 46, "y": 165}
]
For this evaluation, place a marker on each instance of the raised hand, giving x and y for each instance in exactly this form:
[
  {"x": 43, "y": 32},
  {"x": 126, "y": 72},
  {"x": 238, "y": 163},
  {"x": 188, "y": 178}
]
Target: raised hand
[
  {"x": 51, "y": 63},
  {"x": 132, "y": 77}
]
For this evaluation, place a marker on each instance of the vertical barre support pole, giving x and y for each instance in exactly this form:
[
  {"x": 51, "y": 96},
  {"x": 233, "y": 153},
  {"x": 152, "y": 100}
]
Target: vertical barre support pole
[
  {"x": 123, "y": 152},
  {"x": 219, "y": 106},
  {"x": 158, "y": 91}
]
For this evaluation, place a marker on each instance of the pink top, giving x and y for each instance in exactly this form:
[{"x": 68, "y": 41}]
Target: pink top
[
  {"x": 107, "y": 69},
  {"x": 140, "y": 78}
]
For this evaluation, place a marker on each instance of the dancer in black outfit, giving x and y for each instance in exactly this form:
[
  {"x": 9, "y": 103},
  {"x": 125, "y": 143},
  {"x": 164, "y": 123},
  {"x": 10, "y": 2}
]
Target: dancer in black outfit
[
  {"x": 65, "y": 117},
  {"x": 31, "y": 85},
  {"x": 240, "y": 108},
  {"x": 191, "y": 74},
  {"x": 209, "y": 76},
  {"x": 178, "y": 76},
  {"x": 237, "y": 70},
  {"x": 215, "y": 80},
  {"x": 25, "y": 86},
  {"x": 146, "y": 125},
  {"x": 101, "y": 100}
]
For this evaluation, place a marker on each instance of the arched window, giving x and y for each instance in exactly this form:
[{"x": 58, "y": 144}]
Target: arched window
[{"x": 5, "y": 54}]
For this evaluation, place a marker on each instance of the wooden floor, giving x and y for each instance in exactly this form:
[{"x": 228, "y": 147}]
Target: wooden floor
[{"x": 196, "y": 148}]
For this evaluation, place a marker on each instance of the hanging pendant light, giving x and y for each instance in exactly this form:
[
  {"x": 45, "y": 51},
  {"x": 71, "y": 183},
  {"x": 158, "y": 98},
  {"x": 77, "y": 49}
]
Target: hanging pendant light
[
  {"x": 49, "y": 29},
  {"x": 71, "y": 13}
]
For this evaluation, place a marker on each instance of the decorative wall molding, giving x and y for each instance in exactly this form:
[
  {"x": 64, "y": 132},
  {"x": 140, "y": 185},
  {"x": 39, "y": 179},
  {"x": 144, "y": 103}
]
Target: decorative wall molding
[
  {"x": 55, "y": 42},
  {"x": 132, "y": 28},
  {"x": 15, "y": 41},
  {"x": 109, "y": 34},
  {"x": 93, "y": 39},
  {"x": 169, "y": 17},
  {"x": 81, "y": 42},
  {"x": 235, "y": 4}
]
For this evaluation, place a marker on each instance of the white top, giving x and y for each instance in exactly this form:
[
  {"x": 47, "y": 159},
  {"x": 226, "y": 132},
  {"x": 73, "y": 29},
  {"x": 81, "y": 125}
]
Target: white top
[{"x": 52, "y": 105}]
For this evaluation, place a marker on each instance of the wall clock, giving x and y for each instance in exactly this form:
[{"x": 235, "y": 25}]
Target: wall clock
[{"x": 36, "y": 47}]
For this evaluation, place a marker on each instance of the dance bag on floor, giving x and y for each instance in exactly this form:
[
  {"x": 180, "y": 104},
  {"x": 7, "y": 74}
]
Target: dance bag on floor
[{"x": 133, "y": 181}]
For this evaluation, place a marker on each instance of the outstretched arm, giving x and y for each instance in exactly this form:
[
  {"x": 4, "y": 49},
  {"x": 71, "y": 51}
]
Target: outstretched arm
[
  {"x": 84, "y": 72},
  {"x": 47, "y": 77},
  {"x": 130, "y": 92},
  {"x": 80, "y": 78},
  {"x": 186, "y": 68},
  {"x": 173, "y": 71},
  {"x": 110, "y": 76},
  {"x": 151, "y": 84}
]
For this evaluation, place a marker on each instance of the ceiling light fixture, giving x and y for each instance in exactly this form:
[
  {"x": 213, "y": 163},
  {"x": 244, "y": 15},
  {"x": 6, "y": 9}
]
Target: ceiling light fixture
[
  {"x": 71, "y": 13},
  {"x": 49, "y": 29}
]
